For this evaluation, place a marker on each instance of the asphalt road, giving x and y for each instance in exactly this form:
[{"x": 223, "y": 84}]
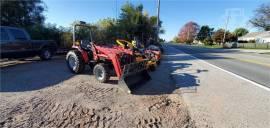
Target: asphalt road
[{"x": 255, "y": 67}]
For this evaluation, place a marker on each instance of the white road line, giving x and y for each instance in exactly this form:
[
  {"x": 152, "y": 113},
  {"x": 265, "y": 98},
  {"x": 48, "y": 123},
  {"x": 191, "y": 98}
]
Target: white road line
[{"x": 240, "y": 77}]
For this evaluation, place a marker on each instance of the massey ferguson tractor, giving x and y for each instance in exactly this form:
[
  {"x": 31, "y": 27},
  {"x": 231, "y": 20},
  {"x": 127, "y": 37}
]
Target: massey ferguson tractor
[{"x": 106, "y": 61}]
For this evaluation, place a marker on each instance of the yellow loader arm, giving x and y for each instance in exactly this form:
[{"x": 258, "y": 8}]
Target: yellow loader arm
[{"x": 125, "y": 43}]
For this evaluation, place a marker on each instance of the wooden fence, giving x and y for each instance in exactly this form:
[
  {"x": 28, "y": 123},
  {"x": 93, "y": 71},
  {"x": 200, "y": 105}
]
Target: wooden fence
[{"x": 254, "y": 45}]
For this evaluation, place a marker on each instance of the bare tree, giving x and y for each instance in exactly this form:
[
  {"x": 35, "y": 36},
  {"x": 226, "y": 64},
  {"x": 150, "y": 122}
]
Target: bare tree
[{"x": 262, "y": 17}]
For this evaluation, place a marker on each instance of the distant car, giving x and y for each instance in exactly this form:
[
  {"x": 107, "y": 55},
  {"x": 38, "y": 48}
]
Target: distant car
[
  {"x": 16, "y": 43},
  {"x": 230, "y": 45}
]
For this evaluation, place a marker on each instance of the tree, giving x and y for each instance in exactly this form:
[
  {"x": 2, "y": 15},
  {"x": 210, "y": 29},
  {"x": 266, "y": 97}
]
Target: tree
[
  {"x": 107, "y": 30},
  {"x": 205, "y": 34},
  {"x": 219, "y": 35},
  {"x": 208, "y": 41},
  {"x": 240, "y": 32},
  {"x": 22, "y": 13},
  {"x": 66, "y": 39},
  {"x": 261, "y": 19},
  {"x": 176, "y": 40},
  {"x": 188, "y": 32},
  {"x": 134, "y": 23}
]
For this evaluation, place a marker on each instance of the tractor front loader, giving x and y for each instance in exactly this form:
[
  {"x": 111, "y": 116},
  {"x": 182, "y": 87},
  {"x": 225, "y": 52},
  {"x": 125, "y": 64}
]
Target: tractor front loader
[
  {"x": 152, "y": 56},
  {"x": 106, "y": 61}
]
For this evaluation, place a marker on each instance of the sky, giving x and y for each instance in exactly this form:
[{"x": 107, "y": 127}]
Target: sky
[{"x": 173, "y": 13}]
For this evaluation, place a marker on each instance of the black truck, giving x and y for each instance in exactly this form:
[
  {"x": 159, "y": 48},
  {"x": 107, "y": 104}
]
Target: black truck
[{"x": 16, "y": 43}]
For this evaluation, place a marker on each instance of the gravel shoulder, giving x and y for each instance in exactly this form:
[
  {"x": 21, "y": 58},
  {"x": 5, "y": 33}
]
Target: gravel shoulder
[
  {"x": 46, "y": 94},
  {"x": 216, "y": 98}
]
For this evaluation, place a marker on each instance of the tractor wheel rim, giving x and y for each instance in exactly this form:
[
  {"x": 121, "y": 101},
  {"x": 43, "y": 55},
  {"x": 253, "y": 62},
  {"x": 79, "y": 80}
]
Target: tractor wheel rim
[
  {"x": 72, "y": 62},
  {"x": 47, "y": 54},
  {"x": 100, "y": 74}
]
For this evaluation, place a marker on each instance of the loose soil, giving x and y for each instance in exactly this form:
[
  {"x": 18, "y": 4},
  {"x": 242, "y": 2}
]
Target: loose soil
[{"x": 80, "y": 101}]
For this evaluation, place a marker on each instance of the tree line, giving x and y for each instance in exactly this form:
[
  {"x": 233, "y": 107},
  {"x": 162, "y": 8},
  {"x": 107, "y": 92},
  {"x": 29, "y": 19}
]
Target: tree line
[
  {"x": 191, "y": 31},
  {"x": 133, "y": 22}
]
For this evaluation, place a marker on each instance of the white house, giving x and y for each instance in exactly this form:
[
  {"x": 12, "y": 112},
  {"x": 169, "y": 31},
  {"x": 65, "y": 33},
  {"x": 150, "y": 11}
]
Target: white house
[{"x": 259, "y": 37}]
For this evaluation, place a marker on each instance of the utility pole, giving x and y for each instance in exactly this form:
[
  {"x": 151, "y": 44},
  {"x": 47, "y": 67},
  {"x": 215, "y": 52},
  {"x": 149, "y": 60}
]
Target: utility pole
[
  {"x": 116, "y": 13},
  {"x": 158, "y": 10},
  {"x": 226, "y": 25}
]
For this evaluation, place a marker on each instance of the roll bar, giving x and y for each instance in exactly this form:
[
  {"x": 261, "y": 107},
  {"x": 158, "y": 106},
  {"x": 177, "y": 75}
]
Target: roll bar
[{"x": 82, "y": 24}]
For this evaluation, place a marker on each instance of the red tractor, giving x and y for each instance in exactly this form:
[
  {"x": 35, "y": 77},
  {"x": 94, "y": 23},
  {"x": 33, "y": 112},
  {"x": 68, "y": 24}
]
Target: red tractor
[{"x": 106, "y": 61}]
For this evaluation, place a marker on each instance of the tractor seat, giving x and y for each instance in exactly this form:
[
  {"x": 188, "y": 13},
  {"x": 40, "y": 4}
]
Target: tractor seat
[{"x": 85, "y": 45}]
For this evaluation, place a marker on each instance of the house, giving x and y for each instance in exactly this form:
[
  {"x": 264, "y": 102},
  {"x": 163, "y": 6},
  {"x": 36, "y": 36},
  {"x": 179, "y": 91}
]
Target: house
[
  {"x": 258, "y": 37},
  {"x": 197, "y": 42}
]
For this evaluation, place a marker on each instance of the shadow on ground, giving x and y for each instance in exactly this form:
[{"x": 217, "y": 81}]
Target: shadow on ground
[
  {"x": 172, "y": 75},
  {"x": 168, "y": 78},
  {"x": 34, "y": 76}
]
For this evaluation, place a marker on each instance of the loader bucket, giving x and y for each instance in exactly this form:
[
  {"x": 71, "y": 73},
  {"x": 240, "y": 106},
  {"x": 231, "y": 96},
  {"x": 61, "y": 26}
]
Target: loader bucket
[{"x": 133, "y": 75}]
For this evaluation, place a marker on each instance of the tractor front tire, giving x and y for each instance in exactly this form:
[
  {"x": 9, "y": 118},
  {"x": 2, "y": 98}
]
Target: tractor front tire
[
  {"x": 75, "y": 61},
  {"x": 101, "y": 72}
]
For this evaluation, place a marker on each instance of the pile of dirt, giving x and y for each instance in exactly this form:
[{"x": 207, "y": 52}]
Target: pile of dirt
[{"x": 96, "y": 105}]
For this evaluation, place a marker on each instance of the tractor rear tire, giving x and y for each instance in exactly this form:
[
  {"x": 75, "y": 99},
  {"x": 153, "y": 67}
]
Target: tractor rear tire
[
  {"x": 75, "y": 61},
  {"x": 101, "y": 72}
]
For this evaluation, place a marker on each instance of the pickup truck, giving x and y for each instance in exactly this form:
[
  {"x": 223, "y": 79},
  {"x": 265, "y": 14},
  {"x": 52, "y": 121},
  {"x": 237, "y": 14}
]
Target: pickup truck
[{"x": 16, "y": 43}]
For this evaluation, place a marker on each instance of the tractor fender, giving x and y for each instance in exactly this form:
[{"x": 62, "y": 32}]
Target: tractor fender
[{"x": 83, "y": 53}]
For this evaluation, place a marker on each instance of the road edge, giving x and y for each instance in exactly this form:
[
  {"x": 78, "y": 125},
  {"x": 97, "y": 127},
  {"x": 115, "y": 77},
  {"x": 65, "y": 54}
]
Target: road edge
[{"x": 231, "y": 73}]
